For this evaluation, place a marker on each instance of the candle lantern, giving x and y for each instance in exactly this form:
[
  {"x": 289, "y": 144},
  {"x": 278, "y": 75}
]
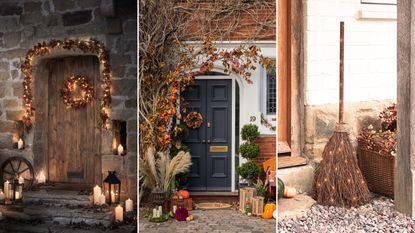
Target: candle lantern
[
  {"x": 112, "y": 188},
  {"x": 14, "y": 191}
]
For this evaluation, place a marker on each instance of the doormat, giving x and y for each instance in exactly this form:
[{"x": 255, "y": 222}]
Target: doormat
[{"x": 212, "y": 206}]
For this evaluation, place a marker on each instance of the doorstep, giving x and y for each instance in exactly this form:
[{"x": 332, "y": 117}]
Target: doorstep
[
  {"x": 300, "y": 177},
  {"x": 291, "y": 161}
]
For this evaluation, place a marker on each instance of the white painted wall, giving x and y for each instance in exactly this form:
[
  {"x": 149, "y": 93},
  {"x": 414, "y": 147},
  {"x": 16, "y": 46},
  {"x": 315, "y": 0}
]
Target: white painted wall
[{"x": 370, "y": 51}]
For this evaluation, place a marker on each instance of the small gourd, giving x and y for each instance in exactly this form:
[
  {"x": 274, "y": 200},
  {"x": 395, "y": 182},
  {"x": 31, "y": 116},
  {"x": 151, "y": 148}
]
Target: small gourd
[
  {"x": 289, "y": 192},
  {"x": 183, "y": 193},
  {"x": 275, "y": 214}
]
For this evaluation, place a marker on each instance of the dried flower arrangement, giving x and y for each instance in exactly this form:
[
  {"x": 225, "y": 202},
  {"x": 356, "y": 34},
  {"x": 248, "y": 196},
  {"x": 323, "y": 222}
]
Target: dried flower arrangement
[{"x": 382, "y": 141}]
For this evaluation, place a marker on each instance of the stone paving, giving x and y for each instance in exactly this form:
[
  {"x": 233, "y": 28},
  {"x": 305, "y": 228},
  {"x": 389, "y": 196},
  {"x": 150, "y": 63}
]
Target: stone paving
[{"x": 226, "y": 221}]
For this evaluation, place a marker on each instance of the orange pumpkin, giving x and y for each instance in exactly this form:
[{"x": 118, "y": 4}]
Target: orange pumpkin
[
  {"x": 183, "y": 193},
  {"x": 268, "y": 210},
  {"x": 270, "y": 207}
]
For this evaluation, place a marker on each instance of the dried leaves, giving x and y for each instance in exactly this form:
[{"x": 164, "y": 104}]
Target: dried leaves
[{"x": 382, "y": 141}]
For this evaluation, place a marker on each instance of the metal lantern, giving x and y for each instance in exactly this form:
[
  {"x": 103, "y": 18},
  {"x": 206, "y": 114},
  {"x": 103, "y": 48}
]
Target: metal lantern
[
  {"x": 14, "y": 191},
  {"x": 112, "y": 188}
]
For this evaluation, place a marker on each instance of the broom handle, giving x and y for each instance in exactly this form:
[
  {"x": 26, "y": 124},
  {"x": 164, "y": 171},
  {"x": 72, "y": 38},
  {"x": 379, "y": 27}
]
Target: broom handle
[{"x": 341, "y": 102}]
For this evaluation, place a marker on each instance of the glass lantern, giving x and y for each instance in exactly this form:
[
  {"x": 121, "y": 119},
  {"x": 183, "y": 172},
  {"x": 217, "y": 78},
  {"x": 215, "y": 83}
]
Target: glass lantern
[
  {"x": 14, "y": 191},
  {"x": 112, "y": 188}
]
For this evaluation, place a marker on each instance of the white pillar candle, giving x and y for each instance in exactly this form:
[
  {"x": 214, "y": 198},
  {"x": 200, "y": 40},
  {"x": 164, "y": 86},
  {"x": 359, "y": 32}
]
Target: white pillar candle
[
  {"x": 160, "y": 210},
  {"x": 97, "y": 195},
  {"x": 174, "y": 209},
  {"x": 102, "y": 199},
  {"x": 20, "y": 144},
  {"x": 120, "y": 150},
  {"x": 119, "y": 214},
  {"x": 128, "y": 205},
  {"x": 6, "y": 189},
  {"x": 1, "y": 196},
  {"x": 17, "y": 195},
  {"x": 21, "y": 180},
  {"x": 41, "y": 179},
  {"x": 154, "y": 213},
  {"x": 112, "y": 197}
]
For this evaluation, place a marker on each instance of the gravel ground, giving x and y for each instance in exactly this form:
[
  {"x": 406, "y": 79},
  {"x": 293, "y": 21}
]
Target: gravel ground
[{"x": 377, "y": 216}]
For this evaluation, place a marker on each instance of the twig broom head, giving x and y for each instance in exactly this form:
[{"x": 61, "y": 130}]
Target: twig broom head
[{"x": 338, "y": 179}]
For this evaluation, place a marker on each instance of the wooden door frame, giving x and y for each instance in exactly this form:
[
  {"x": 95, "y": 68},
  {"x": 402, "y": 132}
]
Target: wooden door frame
[{"x": 296, "y": 69}]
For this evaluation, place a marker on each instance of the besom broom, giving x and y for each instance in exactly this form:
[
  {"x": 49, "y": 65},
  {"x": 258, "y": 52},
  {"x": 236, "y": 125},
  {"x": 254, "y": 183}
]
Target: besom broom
[{"x": 338, "y": 179}]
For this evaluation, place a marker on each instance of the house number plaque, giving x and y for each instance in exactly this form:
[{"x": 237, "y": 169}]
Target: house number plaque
[{"x": 218, "y": 148}]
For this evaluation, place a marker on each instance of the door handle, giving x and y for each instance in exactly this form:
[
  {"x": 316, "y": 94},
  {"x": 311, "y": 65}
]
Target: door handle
[
  {"x": 203, "y": 141},
  {"x": 208, "y": 125},
  {"x": 208, "y": 141}
]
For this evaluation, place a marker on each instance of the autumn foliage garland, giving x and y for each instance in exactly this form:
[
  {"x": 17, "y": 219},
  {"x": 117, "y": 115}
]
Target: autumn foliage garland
[
  {"x": 86, "y": 46},
  {"x": 240, "y": 61}
]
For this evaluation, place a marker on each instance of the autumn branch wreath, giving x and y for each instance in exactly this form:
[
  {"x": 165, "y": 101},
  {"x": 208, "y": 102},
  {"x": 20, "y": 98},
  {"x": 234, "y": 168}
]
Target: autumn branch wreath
[
  {"x": 193, "y": 120},
  {"x": 87, "y": 92}
]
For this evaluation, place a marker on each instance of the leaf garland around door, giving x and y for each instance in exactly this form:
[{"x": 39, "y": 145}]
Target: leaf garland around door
[
  {"x": 193, "y": 120},
  {"x": 86, "y": 92}
]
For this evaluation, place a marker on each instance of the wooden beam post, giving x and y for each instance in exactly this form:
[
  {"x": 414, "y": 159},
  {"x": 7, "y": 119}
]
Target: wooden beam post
[{"x": 405, "y": 169}]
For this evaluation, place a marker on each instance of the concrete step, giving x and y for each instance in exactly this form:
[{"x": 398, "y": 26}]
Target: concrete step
[
  {"x": 62, "y": 215},
  {"x": 300, "y": 177},
  {"x": 57, "y": 198}
]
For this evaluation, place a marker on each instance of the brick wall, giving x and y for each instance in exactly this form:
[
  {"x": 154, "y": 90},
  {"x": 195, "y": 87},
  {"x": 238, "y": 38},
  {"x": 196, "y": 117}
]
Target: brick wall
[
  {"x": 24, "y": 23},
  {"x": 260, "y": 21},
  {"x": 268, "y": 148}
]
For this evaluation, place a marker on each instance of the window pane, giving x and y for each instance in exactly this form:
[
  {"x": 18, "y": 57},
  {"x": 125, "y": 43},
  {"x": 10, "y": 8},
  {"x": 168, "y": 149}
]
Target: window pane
[{"x": 271, "y": 91}]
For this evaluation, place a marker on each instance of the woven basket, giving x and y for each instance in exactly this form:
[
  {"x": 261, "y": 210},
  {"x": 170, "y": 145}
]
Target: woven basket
[{"x": 378, "y": 171}]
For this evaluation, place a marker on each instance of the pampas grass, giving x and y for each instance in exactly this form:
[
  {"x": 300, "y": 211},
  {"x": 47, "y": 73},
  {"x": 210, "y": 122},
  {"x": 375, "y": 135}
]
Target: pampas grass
[{"x": 158, "y": 170}]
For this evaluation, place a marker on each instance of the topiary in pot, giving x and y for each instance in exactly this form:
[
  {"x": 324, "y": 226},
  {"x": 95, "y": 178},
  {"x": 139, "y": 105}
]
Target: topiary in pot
[
  {"x": 249, "y": 132},
  {"x": 249, "y": 151},
  {"x": 249, "y": 171}
]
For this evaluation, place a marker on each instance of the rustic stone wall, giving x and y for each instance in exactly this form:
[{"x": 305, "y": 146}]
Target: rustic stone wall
[
  {"x": 24, "y": 23},
  {"x": 321, "y": 120}
]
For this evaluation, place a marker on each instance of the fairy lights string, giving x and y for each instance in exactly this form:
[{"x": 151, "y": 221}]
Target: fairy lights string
[{"x": 86, "y": 46}]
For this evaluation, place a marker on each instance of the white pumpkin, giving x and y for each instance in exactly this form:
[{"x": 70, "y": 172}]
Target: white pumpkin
[
  {"x": 289, "y": 192},
  {"x": 275, "y": 214}
]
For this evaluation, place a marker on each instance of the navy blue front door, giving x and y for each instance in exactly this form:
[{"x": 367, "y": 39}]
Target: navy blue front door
[{"x": 210, "y": 145}]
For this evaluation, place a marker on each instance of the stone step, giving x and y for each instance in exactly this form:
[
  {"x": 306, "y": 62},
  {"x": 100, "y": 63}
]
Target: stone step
[
  {"x": 300, "y": 177},
  {"x": 57, "y": 198},
  {"x": 62, "y": 215}
]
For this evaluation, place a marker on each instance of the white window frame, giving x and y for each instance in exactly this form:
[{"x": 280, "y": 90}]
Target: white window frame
[{"x": 377, "y": 9}]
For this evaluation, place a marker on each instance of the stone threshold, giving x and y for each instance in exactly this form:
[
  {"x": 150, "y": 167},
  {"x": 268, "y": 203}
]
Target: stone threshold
[
  {"x": 214, "y": 194},
  {"x": 291, "y": 161}
]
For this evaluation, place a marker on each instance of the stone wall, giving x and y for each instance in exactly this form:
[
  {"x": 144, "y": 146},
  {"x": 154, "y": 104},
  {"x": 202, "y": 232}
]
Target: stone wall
[
  {"x": 24, "y": 23},
  {"x": 321, "y": 120}
]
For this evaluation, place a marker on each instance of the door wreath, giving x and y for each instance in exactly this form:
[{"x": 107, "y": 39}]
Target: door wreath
[
  {"x": 86, "y": 90},
  {"x": 193, "y": 120}
]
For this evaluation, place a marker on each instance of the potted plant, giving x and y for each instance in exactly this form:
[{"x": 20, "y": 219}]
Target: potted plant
[{"x": 249, "y": 150}]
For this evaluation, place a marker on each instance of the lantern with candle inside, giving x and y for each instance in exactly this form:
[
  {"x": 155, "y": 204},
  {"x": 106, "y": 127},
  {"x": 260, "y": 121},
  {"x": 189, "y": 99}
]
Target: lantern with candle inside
[
  {"x": 14, "y": 190},
  {"x": 112, "y": 188},
  {"x": 119, "y": 137}
]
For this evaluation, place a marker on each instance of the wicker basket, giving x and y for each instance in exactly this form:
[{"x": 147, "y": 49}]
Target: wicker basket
[{"x": 378, "y": 170}]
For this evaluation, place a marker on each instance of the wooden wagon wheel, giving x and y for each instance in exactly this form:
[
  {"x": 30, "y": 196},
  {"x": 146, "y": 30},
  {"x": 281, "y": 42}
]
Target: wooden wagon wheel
[{"x": 15, "y": 167}]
